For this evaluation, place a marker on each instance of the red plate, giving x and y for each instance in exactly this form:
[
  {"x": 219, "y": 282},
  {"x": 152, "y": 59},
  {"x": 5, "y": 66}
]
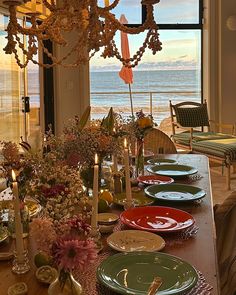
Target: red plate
[
  {"x": 155, "y": 179},
  {"x": 157, "y": 219}
]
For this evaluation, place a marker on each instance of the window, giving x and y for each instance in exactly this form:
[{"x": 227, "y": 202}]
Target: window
[
  {"x": 16, "y": 83},
  {"x": 174, "y": 73}
]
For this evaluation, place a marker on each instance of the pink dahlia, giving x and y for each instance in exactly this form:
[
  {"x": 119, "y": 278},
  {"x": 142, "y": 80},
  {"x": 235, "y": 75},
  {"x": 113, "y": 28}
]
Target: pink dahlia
[{"x": 70, "y": 254}]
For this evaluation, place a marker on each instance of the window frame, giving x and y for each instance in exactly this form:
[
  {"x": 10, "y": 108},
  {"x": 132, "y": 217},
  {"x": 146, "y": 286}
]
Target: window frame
[{"x": 178, "y": 26}]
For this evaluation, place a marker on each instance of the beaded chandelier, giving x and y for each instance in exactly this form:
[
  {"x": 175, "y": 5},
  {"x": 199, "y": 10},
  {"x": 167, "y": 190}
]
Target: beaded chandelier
[{"x": 93, "y": 29}]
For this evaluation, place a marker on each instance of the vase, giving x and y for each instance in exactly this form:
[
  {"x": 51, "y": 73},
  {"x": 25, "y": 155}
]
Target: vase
[
  {"x": 139, "y": 157},
  {"x": 86, "y": 174},
  {"x": 65, "y": 284},
  {"x": 25, "y": 219}
]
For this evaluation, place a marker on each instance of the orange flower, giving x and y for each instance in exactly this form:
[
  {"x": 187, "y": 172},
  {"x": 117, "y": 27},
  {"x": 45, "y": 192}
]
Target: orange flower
[{"x": 144, "y": 122}]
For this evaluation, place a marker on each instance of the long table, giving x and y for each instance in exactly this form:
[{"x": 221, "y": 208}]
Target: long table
[{"x": 200, "y": 251}]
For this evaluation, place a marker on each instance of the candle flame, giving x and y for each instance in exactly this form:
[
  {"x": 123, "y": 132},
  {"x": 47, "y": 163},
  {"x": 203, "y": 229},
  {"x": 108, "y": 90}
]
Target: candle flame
[
  {"x": 96, "y": 159},
  {"x": 13, "y": 175},
  {"x": 125, "y": 143}
]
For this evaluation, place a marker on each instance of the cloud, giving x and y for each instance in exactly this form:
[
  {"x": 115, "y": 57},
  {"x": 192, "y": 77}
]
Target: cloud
[{"x": 176, "y": 64}]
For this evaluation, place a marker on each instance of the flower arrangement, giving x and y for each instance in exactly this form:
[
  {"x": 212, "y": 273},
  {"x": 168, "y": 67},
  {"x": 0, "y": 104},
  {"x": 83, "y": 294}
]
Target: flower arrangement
[
  {"x": 14, "y": 160},
  {"x": 45, "y": 177},
  {"x": 137, "y": 128},
  {"x": 56, "y": 186},
  {"x": 142, "y": 124},
  {"x": 66, "y": 242},
  {"x": 82, "y": 145}
]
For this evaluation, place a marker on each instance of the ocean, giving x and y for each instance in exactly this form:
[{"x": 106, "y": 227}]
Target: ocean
[{"x": 109, "y": 90}]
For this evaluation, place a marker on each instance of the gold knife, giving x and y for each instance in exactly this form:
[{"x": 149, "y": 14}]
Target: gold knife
[{"x": 155, "y": 285}]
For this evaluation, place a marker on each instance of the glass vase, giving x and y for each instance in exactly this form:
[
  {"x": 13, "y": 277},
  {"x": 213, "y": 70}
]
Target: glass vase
[
  {"x": 65, "y": 284},
  {"x": 86, "y": 174},
  {"x": 25, "y": 218},
  {"x": 139, "y": 157}
]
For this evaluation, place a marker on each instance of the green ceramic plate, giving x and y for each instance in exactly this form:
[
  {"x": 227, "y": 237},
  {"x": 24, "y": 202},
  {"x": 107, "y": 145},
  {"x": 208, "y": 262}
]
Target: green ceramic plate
[
  {"x": 159, "y": 161},
  {"x": 174, "y": 171},
  {"x": 140, "y": 199},
  {"x": 175, "y": 192},
  {"x": 133, "y": 273}
]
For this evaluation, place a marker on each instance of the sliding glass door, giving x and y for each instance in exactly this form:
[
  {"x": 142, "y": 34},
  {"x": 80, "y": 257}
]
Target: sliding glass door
[{"x": 17, "y": 119}]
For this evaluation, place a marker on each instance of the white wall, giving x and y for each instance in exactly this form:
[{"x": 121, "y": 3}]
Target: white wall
[
  {"x": 72, "y": 91},
  {"x": 227, "y": 59}
]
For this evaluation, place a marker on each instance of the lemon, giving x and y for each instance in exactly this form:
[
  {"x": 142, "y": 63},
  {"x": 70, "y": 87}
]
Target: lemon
[
  {"x": 42, "y": 259},
  {"x": 103, "y": 206},
  {"x": 106, "y": 195}
]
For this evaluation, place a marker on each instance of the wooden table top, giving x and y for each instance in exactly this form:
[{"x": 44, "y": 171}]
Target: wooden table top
[{"x": 199, "y": 251}]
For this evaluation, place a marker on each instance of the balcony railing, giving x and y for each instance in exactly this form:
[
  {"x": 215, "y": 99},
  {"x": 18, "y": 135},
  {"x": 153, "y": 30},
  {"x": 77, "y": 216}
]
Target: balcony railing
[{"x": 153, "y": 102}]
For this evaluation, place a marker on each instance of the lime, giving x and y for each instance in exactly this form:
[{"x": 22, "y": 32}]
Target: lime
[
  {"x": 42, "y": 259},
  {"x": 103, "y": 206},
  {"x": 106, "y": 195}
]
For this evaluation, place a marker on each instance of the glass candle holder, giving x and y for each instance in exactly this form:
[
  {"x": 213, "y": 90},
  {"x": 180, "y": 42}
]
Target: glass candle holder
[{"x": 20, "y": 263}]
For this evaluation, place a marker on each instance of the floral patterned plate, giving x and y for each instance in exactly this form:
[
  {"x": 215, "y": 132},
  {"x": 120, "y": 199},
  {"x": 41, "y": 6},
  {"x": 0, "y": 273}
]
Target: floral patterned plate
[{"x": 135, "y": 240}]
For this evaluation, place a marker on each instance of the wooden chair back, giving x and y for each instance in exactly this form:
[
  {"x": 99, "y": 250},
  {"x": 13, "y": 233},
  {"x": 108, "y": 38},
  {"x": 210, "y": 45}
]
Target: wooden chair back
[{"x": 158, "y": 142}]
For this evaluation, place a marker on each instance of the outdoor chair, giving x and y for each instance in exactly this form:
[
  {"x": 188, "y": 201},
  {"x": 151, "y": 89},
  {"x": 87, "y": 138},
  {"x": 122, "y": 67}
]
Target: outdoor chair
[
  {"x": 225, "y": 216},
  {"x": 190, "y": 122},
  {"x": 198, "y": 135}
]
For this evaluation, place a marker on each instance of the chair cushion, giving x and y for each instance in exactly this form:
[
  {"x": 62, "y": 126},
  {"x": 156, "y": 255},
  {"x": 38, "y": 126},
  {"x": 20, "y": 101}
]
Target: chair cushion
[
  {"x": 217, "y": 147},
  {"x": 192, "y": 116},
  {"x": 184, "y": 137}
]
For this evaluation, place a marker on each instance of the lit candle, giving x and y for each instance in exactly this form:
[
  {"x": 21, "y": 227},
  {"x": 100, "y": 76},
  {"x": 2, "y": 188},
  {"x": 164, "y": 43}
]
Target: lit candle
[
  {"x": 94, "y": 218},
  {"x": 106, "y": 2},
  {"x": 127, "y": 173},
  {"x": 18, "y": 224}
]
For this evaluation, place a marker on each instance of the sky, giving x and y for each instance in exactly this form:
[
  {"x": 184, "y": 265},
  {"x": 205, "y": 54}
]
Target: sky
[{"x": 180, "y": 49}]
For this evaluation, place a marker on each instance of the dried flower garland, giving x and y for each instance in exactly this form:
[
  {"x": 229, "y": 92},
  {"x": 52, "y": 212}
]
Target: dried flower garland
[{"x": 95, "y": 26}]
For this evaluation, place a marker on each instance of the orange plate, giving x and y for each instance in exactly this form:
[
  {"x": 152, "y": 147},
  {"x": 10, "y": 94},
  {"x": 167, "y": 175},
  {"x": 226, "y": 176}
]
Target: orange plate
[
  {"x": 157, "y": 219},
  {"x": 155, "y": 179}
]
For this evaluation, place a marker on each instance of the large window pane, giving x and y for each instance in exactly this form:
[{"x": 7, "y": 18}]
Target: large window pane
[
  {"x": 173, "y": 73},
  {"x": 177, "y": 12}
]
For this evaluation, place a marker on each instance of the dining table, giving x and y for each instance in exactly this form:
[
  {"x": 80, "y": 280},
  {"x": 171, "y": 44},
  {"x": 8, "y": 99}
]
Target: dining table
[{"x": 199, "y": 249}]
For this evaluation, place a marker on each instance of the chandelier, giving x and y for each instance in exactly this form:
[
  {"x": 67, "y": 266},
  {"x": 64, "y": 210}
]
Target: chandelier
[{"x": 93, "y": 28}]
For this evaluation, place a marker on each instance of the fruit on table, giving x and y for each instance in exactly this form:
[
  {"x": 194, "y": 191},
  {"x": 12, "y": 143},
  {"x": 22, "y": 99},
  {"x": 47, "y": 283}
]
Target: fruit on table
[
  {"x": 106, "y": 195},
  {"x": 18, "y": 289},
  {"x": 103, "y": 206},
  {"x": 46, "y": 274},
  {"x": 41, "y": 259}
]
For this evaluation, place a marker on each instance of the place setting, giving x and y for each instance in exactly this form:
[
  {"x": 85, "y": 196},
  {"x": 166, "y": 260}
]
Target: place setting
[{"x": 175, "y": 192}]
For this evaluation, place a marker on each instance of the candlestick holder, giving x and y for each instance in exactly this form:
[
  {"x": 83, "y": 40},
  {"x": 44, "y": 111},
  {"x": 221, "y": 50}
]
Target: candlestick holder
[
  {"x": 21, "y": 263},
  {"x": 95, "y": 234},
  {"x": 128, "y": 204}
]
